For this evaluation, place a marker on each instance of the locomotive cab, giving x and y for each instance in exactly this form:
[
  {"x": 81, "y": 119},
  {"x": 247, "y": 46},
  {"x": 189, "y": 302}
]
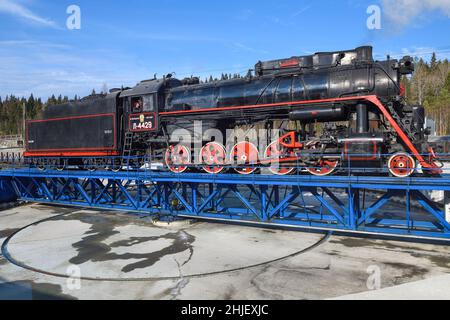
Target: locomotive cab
[
  {"x": 142, "y": 115},
  {"x": 142, "y": 106},
  {"x": 140, "y": 112},
  {"x": 143, "y": 103}
]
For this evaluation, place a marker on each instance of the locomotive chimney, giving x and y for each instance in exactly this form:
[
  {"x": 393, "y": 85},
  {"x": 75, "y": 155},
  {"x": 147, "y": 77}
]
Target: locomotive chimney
[{"x": 365, "y": 53}]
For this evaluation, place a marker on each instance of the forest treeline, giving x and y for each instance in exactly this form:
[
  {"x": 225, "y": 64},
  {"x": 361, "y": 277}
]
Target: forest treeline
[
  {"x": 11, "y": 111},
  {"x": 429, "y": 86}
]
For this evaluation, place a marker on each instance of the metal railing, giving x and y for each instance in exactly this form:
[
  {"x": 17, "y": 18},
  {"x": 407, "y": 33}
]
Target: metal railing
[
  {"x": 11, "y": 137},
  {"x": 11, "y": 141},
  {"x": 11, "y": 160}
]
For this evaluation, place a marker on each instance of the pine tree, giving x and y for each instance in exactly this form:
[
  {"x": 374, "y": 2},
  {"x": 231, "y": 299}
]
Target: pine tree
[
  {"x": 52, "y": 100},
  {"x": 433, "y": 62},
  {"x": 447, "y": 82},
  {"x": 31, "y": 107}
]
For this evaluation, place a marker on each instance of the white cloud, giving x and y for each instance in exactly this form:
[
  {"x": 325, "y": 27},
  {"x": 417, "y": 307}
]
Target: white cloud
[
  {"x": 14, "y": 8},
  {"x": 242, "y": 47},
  {"x": 31, "y": 43},
  {"x": 419, "y": 51},
  {"x": 304, "y": 9},
  {"x": 416, "y": 52},
  {"x": 45, "y": 68},
  {"x": 426, "y": 52},
  {"x": 403, "y": 12}
]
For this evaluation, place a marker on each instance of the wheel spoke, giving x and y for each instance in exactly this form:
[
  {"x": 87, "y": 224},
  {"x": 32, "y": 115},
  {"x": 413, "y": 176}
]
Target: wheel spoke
[
  {"x": 276, "y": 152},
  {"x": 323, "y": 167},
  {"x": 178, "y": 158},
  {"x": 401, "y": 165},
  {"x": 244, "y": 154},
  {"x": 212, "y": 156}
]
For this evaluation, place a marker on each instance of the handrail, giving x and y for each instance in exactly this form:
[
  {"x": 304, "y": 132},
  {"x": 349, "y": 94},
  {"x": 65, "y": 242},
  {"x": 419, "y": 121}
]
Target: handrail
[{"x": 13, "y": 160}]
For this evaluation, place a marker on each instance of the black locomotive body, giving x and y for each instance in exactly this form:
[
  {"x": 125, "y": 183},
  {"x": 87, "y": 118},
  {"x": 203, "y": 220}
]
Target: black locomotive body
[{"x": 329, "y": 109}]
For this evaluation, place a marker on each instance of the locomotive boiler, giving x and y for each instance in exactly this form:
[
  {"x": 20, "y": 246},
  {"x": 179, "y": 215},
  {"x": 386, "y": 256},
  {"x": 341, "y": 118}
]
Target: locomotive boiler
[{"x": 329, "y": 110}]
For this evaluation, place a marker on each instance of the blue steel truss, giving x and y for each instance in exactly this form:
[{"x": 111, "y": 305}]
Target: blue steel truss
[{"x": 342, "y": 203}]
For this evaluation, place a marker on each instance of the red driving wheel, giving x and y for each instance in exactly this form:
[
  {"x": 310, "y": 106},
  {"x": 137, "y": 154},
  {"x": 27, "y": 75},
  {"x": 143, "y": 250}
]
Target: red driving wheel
[
  {"x": 213, "y": 156},
  {"x": 324, "y": 167},
  {"x": 276, "y": 152},
  {"x": 178, "y": 158},
  {"x": 244, "y": 154},
  {"x": 401, "y": 165}
]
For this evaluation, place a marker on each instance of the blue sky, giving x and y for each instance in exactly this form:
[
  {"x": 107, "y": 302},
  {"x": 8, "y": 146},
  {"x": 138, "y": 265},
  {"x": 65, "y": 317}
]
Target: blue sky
[{"x": 122, "y": 42}]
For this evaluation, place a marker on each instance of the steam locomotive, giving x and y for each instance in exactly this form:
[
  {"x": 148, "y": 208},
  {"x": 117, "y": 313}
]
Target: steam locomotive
[{"x": 329, "y": 110}]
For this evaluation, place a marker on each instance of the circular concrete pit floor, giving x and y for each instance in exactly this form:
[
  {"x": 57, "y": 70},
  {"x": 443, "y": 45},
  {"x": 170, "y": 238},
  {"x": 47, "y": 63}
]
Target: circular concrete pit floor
[
  {"x": 114, "y": 247},
  {"x": 73, "y": 253}
]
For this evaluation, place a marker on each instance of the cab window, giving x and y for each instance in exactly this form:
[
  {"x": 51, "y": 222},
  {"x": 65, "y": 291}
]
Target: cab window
[
  {"x": 136, "y": 104},
  {"x": 149, "y": 103}
]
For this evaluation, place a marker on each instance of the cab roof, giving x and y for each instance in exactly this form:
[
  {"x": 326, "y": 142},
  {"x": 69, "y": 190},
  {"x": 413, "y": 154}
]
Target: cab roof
[{"x": 150, "y": 86}]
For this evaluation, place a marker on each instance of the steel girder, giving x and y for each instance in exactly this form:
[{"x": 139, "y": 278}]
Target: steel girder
[{"x": 343, "y": 203}]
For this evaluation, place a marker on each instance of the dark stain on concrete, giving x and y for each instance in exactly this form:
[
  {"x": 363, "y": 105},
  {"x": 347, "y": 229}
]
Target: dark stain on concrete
[
  {"x": 439, "y": 256},
  {"x": 301, "y": 269},
  {"x": 438, "y": 260},
  {"x": 4, "y": 215},
  {"x": 229, "y": 292},
  {"x": 48, "y": 291},
  {"x": 387, "y": 245},
  {"x": 411, "y": 246},
  {"x": 29, "y": 290},
  {"x": 7, "y": 232},
  {"x": 408, "y": 271},
  {"x": 259, "y": 284},
  {"x": 8, "y": 206},
  {"x": 181, "y": 241},
  {"x": 354, "y": 242},
  {"x": 55, "y": 209},
  {"x": 165, "y": 293},
  {"x": 334, "y": 253},
  {"x": 92, "y": 248}
]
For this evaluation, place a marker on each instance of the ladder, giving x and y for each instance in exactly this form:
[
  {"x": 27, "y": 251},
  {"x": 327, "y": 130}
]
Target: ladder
[{"x": 127, "y": 148}]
